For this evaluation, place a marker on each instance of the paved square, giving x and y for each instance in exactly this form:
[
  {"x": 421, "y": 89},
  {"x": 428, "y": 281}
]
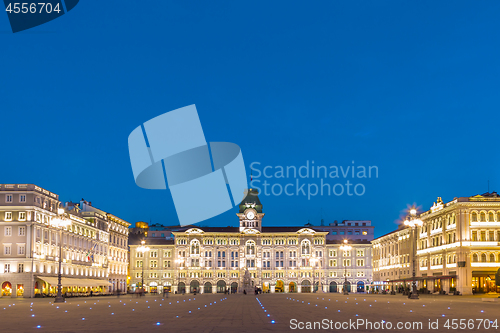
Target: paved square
[{"x": 241, "y": 313}]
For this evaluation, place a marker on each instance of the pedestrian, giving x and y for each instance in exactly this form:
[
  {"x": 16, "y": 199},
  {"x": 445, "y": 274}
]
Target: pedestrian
[
  {"x": 244, "y": 292},
  {"x": 91, "y": 292}
]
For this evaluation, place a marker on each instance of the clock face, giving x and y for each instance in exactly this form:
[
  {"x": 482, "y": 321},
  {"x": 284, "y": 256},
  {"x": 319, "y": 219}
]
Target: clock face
[{"x": 250, "y": 215}]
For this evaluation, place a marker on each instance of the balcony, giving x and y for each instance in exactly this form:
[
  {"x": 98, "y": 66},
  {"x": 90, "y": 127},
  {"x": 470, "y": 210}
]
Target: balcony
[{"x": 79, "y": 262}]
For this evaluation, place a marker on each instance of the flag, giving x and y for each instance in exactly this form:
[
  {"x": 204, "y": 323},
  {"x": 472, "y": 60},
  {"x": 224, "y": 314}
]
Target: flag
[{"x": 90, "y": 254}]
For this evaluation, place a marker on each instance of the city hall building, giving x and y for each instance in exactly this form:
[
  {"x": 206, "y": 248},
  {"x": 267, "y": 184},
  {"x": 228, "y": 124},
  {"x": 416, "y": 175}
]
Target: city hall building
[
  {"x": 275, "y": 259},
  {"x": 457, "y": 248}
]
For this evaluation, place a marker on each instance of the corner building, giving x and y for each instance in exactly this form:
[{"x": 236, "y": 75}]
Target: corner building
[
  {"x": 277, "y": 259},
  {"x": 29, "y": 245},
  {"x": 457, "y": 248}
]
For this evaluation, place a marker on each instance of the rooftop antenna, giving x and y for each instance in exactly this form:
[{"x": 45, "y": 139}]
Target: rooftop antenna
[{"x": 322, "y": 220}]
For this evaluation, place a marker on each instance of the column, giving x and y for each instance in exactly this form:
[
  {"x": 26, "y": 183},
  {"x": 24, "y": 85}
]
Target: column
[{"x": 464, "y": 274}]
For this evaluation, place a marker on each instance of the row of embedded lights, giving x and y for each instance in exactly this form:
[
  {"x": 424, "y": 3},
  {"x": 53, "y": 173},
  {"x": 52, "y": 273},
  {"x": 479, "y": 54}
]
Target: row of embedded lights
[
  {"x": 262, "y": 306},
  {"x": 157, "y": 323}
]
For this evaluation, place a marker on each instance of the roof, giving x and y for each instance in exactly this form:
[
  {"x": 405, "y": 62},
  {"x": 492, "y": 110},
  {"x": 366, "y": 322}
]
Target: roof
[
  {"x": 152, "y": 241},
  {"x": 264, "y": 229},
  {"x": 351, "y": 241},
  {"x": 392, "y": 232},
  {"x": 251, "y": 198}
]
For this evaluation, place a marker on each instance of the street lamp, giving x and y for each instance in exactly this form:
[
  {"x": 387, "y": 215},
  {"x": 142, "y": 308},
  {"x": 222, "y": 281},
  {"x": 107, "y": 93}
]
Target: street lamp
[
  {"x": 143, "y": 249},
  {"x": 413, "y": 222},
  {"x": 60, "y": 222},
  {"x": 313, "y": 264},
  {"x": 345, "y": 247},
  {"x": 178, "y": 262}
]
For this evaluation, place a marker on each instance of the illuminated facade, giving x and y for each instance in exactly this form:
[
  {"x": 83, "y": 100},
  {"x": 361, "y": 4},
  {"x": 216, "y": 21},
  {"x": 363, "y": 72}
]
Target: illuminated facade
[
  {"x": 278, "y": 259},
  {"x": 457, "y": 247},
  {"x": 29, "y": 243},
  {"x": 392, "y": 258},
  {"x": 117, "y": 260}
]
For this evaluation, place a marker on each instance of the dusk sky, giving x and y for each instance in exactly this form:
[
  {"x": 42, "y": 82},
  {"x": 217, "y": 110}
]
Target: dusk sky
[{"x": 409, "y": 87}]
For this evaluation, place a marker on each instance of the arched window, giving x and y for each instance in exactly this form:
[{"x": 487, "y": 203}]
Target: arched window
[
  {"x": 474, "y": 257},
  {"x": 491, "y": 217},
  {"x": 492, "y": 257},
  {"x": 195, "y": 247},
  {"x": 250, "y": 248},
  {"x": 498, "y": 216},
  {"x": 483, "y": 217},
  {"x": 474, "y": 217},
  {"x": 483, "y": 257},
  {"x": 306, "y": 248}
]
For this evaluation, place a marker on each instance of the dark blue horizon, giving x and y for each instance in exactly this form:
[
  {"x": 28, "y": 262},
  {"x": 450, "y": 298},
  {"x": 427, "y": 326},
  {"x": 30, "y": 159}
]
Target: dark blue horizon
[{"x": 412, "y": 88}]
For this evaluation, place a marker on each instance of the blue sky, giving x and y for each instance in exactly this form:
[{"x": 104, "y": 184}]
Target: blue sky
[{"x": 411, "y": 87}]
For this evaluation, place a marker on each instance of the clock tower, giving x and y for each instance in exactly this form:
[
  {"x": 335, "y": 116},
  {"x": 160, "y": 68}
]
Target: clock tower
[{"x": 250, "y": 213}]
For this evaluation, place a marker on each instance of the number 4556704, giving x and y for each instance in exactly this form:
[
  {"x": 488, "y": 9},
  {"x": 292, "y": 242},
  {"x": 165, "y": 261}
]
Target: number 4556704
[{"x": 32, "y": 8}]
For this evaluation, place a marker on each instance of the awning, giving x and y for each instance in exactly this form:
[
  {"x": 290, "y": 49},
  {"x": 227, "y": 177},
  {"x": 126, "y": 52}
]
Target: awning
[{"x": 74, "y": 282}]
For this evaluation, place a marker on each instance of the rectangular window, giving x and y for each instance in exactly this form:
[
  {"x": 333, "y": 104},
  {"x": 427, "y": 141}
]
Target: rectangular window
[
  {"x": 20, "y": 268},
  {"x": 7, "y": 250},
  {"x": 8, "y": 198},
  {"x": 21, "y": 249},
  {"x": 153, "y": 264},
  {"x": 8, "y": 231},
  {"x": 138, "y": 263},
  {"x": 6, "y": 268},
  {"x": 22, "y": 216},
  {"x": 22, "y": 231},
  {"x": 8, "y": 216},
  {"x": 360, "y": 262},
  {"x": 22, "y": 198}
]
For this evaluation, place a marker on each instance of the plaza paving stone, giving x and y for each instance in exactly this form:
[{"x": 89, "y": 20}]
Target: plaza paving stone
[{"x": 237, "y": 313}]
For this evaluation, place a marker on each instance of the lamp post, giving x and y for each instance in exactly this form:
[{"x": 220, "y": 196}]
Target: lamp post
[
  {"x": 413, "y": 222},
  {"x": 143, "y": 249},
  {"x": 178, "y": 262},
  {"x": 345, "y": 247},
  {"x": 313, "y": 264},
  {"x": 60, "y": 222}
]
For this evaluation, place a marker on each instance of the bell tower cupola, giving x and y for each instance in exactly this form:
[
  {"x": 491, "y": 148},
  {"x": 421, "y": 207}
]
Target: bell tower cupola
[{"x": 250, "y": 213}]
